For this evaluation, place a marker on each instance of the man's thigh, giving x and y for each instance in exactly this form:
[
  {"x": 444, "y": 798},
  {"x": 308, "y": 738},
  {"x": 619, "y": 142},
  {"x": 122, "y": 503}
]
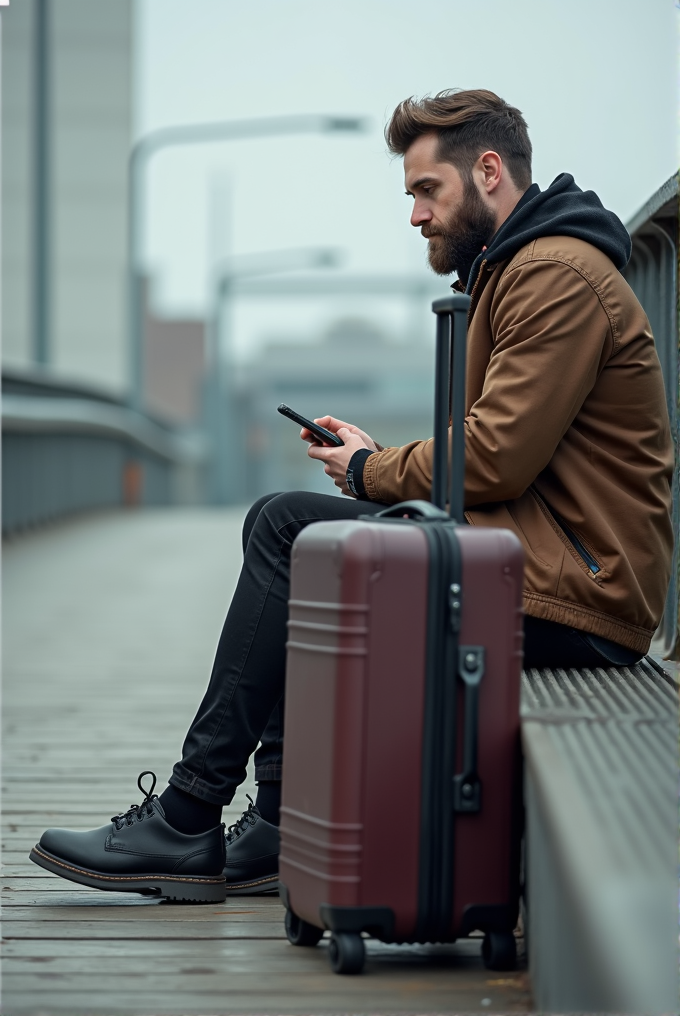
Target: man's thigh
[{"x": 297, "y": 508}]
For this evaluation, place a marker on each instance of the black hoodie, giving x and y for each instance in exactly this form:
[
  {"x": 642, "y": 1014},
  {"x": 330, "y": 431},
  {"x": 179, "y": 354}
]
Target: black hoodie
[{"x": 561, "y": 210}]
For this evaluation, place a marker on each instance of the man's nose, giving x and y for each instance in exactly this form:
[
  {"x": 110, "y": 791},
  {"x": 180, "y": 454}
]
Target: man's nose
[{"x": 420, "y": 214}]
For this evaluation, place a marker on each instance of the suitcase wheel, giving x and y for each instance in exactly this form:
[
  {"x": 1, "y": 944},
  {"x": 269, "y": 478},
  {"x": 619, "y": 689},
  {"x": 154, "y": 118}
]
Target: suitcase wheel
[
  {"x": 300, "y": 932},
  {"x": 499, "y": 951},
  {"x": 346, "y": 953}
]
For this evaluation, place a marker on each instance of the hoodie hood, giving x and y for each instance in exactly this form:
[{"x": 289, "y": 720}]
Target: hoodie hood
[{"x": 561, "y": 210}]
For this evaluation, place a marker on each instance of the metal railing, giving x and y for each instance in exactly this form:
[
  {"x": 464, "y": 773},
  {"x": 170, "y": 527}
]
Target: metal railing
[
  {"x": 69, "y": 448},
  {"x": 652, "y": 274}
]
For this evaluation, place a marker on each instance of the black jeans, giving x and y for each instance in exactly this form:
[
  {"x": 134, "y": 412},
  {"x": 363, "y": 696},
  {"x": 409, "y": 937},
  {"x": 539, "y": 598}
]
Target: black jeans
[{"x": 243, "y": 705}]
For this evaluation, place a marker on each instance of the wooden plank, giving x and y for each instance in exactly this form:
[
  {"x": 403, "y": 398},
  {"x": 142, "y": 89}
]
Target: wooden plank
[
  {"x": 392, "y": 985},
  {"x": 21, "y": 882},
  {"x": 32, "y": 818},
  {"x": 210, "y": 979},
  {"x": 397, "y": 979},
  {"x": 166, "y": 953},
  {"x": 55, "y": 816},
  {"x": 34, "y": 882},
  {"x": 130, "y": 929},
  {"x": 125, "y": 907},
  {"x": 17, "y": 858},
  {"x": 287, "y": 1000},
  {"x": 51, "y": 905}
]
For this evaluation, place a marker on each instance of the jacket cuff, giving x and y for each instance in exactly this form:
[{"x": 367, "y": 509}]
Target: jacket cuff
[
  {"x": 355, "y": 473},
  {"x": 369, "y": 477}
]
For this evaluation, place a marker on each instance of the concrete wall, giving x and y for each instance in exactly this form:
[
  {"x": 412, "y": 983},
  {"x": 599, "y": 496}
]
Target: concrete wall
[{"x": 89, "y": 113}]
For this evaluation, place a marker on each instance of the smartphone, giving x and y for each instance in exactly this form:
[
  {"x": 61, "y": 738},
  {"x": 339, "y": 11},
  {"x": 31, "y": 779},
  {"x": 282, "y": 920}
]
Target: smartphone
[{"x": 324, "y": 436}]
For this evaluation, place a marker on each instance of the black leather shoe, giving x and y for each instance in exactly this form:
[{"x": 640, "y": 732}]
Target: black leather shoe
[
  {"x": 139, "y": 852},
  {"x": 252, "y": 855}
]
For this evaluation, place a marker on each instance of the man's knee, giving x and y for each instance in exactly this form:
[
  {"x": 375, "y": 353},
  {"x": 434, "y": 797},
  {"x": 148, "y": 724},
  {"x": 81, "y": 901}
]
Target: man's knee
[
  {"x": 251, "y": 517},
  {"x": 278, "y": 510},
  {"x": 289, "y": 506},
  {"x": 296, "y": 508}
]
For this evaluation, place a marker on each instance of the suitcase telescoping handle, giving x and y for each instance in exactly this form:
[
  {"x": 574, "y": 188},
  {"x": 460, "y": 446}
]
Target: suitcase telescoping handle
[
  {"x": 449, "y": 395},
  {"x": 449, "y": 402},
  {"x": 451, "y": 350}
]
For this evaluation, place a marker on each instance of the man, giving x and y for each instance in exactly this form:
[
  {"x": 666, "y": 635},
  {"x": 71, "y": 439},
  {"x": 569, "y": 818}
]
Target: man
[{"x": 567, "y": 444}]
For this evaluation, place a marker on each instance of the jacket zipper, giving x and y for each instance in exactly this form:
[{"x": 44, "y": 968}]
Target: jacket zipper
[
  {"x": 578, "y": 546},
  {"x": 584, "y": 554},
  {"x": 474, "y": 288}
]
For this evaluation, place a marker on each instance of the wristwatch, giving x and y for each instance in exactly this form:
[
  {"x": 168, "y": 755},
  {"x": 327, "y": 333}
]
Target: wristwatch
[{"x": 354, "y": 476}]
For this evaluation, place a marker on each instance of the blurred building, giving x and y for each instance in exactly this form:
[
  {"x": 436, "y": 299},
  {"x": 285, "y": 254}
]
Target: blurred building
[
  {"x": 70, "y": 442},
  {"x": 354, "y": 373},
  {"x": 67, "y": 120},
  {"x": 174, "y": 354}
]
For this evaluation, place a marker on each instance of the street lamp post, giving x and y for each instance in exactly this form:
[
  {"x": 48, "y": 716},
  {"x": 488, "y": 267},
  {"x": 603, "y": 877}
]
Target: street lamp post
[
  {"x": 188, "y": 134},
  {"x": 225, "y": 428}
]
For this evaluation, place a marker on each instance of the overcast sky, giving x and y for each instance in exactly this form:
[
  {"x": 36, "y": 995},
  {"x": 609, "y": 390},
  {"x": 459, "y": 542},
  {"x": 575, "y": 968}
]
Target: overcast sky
[{"x": 595, "y": 79}]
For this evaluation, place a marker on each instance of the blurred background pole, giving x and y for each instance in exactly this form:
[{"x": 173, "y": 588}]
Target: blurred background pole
[
  {"x": 188, "y": 134},
  {"x": 226, "y": 426},
  {"x": 40, "y": 296}
]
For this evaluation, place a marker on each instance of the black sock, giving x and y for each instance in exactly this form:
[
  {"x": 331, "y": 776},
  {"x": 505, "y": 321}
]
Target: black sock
[
  {"x": 189, "y": 814},
  {"x": 268, "y": 800}
]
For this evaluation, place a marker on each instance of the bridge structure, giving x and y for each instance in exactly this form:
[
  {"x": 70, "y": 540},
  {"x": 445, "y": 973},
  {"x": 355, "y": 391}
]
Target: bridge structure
[{"x": 110, "y": 620}]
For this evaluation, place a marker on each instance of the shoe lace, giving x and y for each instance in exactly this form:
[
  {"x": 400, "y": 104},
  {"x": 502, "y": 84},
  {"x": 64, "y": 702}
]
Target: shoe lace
[
  {"x": 248, "y": 817},
  {"x": 136, "y": 812}
]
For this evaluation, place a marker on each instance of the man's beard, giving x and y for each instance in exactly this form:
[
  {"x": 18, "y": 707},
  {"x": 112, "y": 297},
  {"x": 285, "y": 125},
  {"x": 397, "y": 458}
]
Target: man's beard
[{"x": 469, "y": 229}]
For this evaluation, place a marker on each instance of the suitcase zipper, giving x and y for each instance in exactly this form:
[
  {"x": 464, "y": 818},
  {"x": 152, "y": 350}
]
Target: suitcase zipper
[{"x": 435, "y": 895}]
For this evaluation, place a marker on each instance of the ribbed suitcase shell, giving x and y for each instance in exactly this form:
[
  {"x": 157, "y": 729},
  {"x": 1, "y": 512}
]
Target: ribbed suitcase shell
[{"x": 355, "y": 699}]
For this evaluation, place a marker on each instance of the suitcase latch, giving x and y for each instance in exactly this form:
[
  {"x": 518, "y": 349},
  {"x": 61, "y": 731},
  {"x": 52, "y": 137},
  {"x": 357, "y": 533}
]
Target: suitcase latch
[{"x": 467, "y": 788}]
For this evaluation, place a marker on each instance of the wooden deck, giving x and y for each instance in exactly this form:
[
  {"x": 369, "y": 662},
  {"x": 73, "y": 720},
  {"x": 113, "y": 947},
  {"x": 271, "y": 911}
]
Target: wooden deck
[{"x": 110, "y": 624}]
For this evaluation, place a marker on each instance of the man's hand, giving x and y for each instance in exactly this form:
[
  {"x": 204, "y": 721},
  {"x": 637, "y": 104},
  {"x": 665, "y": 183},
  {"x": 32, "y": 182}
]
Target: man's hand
[{"x": 336, "y": 460}]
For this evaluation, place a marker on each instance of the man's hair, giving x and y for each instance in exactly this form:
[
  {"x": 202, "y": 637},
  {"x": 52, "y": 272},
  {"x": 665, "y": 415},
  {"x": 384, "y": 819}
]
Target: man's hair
[{"x": 468, "y": 123}]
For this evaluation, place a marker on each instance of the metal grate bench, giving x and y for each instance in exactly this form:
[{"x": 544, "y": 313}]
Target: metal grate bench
[{"x": 601, "y": 773}]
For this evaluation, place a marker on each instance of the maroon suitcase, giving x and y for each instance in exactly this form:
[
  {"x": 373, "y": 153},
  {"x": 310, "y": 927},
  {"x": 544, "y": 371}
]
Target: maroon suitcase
[{"x": 401, "y": 777}]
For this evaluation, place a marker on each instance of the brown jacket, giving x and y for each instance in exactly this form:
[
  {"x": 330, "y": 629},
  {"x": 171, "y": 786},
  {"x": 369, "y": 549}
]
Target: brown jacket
[{"x": 567, "y": 439}]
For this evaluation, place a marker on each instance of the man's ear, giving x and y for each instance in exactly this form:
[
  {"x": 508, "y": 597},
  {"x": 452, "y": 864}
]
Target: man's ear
[{"x": 488, "y": 171}]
